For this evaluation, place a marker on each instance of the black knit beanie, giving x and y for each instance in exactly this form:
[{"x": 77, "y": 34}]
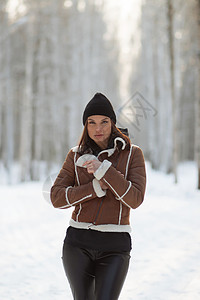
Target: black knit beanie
[{"x": 99, "y": 105}]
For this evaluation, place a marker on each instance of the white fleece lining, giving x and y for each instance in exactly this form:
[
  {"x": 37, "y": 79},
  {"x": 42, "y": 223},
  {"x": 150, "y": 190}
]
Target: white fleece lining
[
  {"x": 121, "y": 140},
  {"x": 129, "y": 156},
  {"x": 65, "y": 206},
  {"x": 82, "y": 199},
  {"x": 67, "y": 200},
  {"x": 130, "y": 184},
  {"x": 109, "y": 151},
  {"x": 83, "y": 158},
  {"x": 76, "y": 168},
  {"x": 101, "y": 171},
  {"x": 102, "y": 227},
  {"x": 80, "y": 207},
  {"x": 75, "y": 149},
  {"x": 120, "y": 213},
  {"x": 112, "y": 150},
  {"x": 97, "y": 188},
  {"x": 67, "y": 196},
  {"x": 68, "y": 205},
  {"x": 119, "y": 198}
]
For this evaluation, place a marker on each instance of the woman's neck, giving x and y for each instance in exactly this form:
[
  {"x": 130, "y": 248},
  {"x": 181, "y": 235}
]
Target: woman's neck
[{"x": 103, "y": 145}]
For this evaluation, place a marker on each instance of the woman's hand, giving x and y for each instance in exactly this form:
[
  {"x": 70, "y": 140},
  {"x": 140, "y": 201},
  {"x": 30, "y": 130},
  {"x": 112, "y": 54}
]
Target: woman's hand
[
  {"x": 103, "y": 186},
  {"x": 92, "y": 165}
]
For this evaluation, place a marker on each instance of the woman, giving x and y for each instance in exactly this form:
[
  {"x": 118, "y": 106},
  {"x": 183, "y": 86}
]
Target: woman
[{"x": 103, "y": 178}]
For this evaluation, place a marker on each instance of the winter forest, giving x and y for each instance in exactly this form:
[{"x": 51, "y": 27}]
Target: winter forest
[{"x": 143, "y": 55}]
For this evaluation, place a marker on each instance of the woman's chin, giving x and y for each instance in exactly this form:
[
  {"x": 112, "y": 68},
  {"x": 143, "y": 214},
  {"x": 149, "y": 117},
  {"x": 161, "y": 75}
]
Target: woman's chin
[{"x": 99, "y": 139}]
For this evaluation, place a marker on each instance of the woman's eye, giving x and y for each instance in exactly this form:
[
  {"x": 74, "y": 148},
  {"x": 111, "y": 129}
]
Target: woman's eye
[{"x": 92, "y": 122}]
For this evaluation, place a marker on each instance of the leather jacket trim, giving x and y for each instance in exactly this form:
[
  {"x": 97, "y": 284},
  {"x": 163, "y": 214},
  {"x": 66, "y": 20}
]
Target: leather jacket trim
[
  {"x": 120, "y": 213},
  {"x": 97, "y": 188},
  {"x": 130, "y": 184},
  {"x": 100, "y": 172},
  {"x": 102, "y": 227},
  {"x": 75, "y": 166},
  {"x": 67, "y": 196},
  {"x": 74, "y": 203},
  {"x": 109, "y": 151},
  {"x": 129, "y": 156},
  {"x": 119, "y": 198},
  {"x": 80, "y": 208}
]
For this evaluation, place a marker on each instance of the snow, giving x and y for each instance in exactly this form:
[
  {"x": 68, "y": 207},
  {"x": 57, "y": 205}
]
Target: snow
[{"x": 165, "y": 260}]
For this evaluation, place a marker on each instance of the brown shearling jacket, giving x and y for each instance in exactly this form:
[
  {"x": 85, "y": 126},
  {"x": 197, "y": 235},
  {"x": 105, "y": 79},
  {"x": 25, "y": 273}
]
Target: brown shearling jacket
[{"x": 106, "y": 210}]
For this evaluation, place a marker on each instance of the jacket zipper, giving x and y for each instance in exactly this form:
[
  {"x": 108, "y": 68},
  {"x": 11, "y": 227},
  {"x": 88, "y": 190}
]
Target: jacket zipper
[{"x": 98, "y": 212}]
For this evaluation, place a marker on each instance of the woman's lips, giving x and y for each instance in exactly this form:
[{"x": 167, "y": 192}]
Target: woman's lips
[{"x": 98, "y": 135}]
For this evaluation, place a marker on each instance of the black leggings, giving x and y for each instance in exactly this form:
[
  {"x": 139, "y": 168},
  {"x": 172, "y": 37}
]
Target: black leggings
[{"x": 93, "y": 274}]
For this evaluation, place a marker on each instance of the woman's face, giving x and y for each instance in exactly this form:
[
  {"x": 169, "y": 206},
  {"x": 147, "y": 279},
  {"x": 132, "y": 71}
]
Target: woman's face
[{"x": 99, "y": 130}]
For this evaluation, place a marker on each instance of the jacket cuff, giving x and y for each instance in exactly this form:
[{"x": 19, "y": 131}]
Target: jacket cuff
[
  {"x": 101, "y": 171},
  {"x": 97, "y": 188}
]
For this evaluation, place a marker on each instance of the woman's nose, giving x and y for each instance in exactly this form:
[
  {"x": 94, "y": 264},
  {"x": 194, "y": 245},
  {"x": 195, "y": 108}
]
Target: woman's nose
[{"x": 98, "y": 128}]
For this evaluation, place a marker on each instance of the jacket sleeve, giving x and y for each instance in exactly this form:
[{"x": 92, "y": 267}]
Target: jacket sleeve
[
  {"x": 63, "y": 192},
  {"x": 130, "y": 191}
]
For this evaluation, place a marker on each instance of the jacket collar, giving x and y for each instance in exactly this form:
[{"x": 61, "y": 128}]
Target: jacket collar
[
  {"x": 108, "y": 151},
  {"x": 112, "y": 150}
]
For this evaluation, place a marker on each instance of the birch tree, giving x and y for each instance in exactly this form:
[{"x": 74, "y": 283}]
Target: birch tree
[
  {"x": 26, "y": 120},
  {"x": 172, "y": 87},
  {"x": 2, "y": 35},
  {"x": 197, "y": 146},
  {"x": 40, "y": 95},
  {"x": 57, "y": 54},
  {"x": 153, "y": 81},
  {"x": 9, "y": 134}
]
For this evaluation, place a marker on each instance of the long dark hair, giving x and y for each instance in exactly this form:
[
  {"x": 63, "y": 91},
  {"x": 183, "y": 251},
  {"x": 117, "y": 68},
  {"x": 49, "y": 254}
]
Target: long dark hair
[{"x": 87, "y": 145}]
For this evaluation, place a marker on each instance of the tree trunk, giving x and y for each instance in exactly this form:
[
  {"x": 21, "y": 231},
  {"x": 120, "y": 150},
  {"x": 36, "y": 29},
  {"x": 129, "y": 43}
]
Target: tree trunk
[
  {"x": 198, "y": 101},
  {"x": 9, "y": 144},
  {"x": 39, "y": 107},
  {"x": 172, "y": 84},
  {"x": 26, "y": 122}
]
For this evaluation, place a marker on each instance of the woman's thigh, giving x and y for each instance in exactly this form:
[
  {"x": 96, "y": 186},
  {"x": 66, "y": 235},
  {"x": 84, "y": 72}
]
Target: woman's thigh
[
  {"x": 79, "y": 271},
  {"x": 110, "y": 272}
]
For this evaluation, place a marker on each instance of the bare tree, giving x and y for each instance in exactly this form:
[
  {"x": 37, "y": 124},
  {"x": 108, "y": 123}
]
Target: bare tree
[
  {"x": 9, "y": 136},
  {"x": 57, "y": 54},
  {"x": 2, "y": 36},
  {"x": 172, "y": 86},
  {"x": 197, "y": 147},
  {"x": 26, "y": 120}
]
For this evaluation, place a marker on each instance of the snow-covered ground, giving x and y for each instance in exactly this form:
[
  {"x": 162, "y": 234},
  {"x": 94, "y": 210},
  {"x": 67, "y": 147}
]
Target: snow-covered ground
[{"x": 165, "y": 263}]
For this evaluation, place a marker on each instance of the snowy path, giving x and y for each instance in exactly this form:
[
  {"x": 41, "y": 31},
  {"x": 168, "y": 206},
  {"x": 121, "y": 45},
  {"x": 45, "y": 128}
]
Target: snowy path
[{"x": 165, "y": 263}]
